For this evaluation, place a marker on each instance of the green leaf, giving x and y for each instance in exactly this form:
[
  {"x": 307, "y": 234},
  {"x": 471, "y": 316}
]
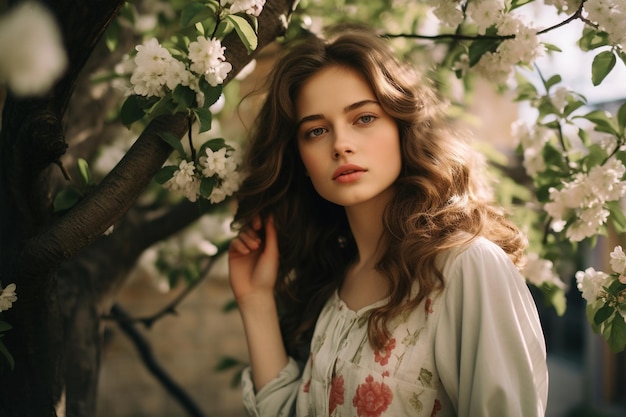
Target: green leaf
[
  {"x": 195, "y": 12},
  {"x": 245, "y": 31},
  {"x": 133, "y": 109},
  {"x": 174, "y": 142},
  {"x": 7, "y": 355},
  {"x": 66, "y": 199},
  {"x": 518, "y": 3},
  {"x": 206, "y": 186},
  {"x": 621, "y": 117},
  {"x": 229, "y": 306},
  {"x": 616, "y": 336},
  {"x": 112, "y": 35},
  {"x": 85, "y": 173},
  {"x": 211, "y": 94},
  {"x": 205, "y": 119},
  {"x": 603, "y": 314},
  {"x": 602, "y": 65},
  {"x": 213, "y": 144},
  {"x": 4, "y": 326},
  {"x": 224, "y": 28},
  {"x": 572, "y": 106},
  {"x": 593, "y": 39},
  {"x": 555, "y": 79},
  {"x": 552, "y": 47},
  {"x": 183, "y": 97},
  {"x": 227, "y": 362},
  {"x": 602, "y": 120},
  {"x": 481, "y": 46},
  {"x": 165, "y": 173},
  {"x": 618, "y": 218}
]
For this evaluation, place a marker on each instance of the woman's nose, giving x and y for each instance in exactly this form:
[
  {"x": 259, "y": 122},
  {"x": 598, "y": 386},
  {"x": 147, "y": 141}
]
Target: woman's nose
[{"x": 343, "y": 145}]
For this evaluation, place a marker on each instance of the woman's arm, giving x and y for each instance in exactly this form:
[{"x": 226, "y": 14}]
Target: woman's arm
[
  {"x": 253, "y": 266},
  {"x": 489, "y": 346}
]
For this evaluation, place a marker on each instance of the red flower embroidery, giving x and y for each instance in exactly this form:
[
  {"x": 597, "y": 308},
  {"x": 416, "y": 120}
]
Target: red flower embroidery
[
  {"x": 427, "y": 307},
  {"x": 436, "y": 408},
  {"x": 382, "y": 356},
  {"x": 336, "y": 393},
  {"x": 372, "y": 398},
  {"x": 306, "y": 386}
]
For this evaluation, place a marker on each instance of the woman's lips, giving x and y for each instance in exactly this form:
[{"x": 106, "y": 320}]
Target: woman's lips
[{"x": 348, "y": 173}]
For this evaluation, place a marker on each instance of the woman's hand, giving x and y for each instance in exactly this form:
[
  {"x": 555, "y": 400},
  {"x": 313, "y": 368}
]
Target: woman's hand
[
  {"x": 253, "y": 262},
  {"x": 253, "y": 266}
]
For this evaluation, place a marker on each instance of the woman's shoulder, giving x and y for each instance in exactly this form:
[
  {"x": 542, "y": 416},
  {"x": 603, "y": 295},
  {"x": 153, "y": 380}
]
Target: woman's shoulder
[{"x": 479, "y": 259}]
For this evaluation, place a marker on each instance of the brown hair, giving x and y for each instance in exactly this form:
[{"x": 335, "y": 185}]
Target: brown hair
[{"x": 438, "y": 202}]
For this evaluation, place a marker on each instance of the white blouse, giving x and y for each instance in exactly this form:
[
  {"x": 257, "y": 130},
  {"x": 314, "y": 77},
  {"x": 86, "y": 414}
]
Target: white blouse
[{"x": 475, "y": 349}]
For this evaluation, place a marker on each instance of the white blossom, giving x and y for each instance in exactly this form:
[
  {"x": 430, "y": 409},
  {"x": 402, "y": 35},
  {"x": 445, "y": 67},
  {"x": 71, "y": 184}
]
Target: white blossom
[
  {"x": 7, "y": 297},
  {"x": 251, "y": 7},
  {"x": 606, "y": 180},
  {"x": 205, "y": 54},
  {"x": 217, "y": 195},
  {"x": 590, "y": 283},
  {"x": 153, "y": 64},
  {"x": 538, "y": 271},
  {"x": 610, "y": 15},
  {"x": 580, "y": 230},
  {"x": 218, "y": 162},
  {"x": 485, "y": 13},
  {"x": 184, "y": 181},
  {"x": 217, "y": 75},
  {"x": 559, "y": 98},
  {"x": 32, "y": 56},
  {"x": 448, "y": 12},
  {"x": 532, "y": 140},
  {"x": 618, "y": 260}
]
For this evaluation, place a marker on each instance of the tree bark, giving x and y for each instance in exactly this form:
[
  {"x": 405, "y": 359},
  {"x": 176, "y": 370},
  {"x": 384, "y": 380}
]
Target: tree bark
[{"x": 56, "y": 332}]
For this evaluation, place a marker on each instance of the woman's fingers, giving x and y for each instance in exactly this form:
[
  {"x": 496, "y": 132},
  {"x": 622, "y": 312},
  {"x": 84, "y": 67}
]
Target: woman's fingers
[{"x": 246, "y": 241}]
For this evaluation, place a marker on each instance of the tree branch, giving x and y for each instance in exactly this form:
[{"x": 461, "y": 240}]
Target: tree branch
[
  {"x": 118, "y": 190},
  {"x": 147, "y": 356}
]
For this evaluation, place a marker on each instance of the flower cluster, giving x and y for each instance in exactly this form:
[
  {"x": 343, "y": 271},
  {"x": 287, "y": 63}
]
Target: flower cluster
[
  {"x": 158, "y": 72},
  {"x": 532, "y": 139},
  {"x": 539, "y": 271},
  {"x": 7, "y": 297},
  {"x": 610, "y": 16},
  {"x": 251, "y": 7},
  {"x": 217, "y": 166},
  {"x": 522, "y": 48},
  {"x": 586, "y": 198},
  {"x": 32, "y": 56},
  {"x": 606, "y": 299}
]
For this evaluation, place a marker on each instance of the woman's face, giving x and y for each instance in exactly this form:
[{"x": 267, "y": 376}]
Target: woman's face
[{"x": 349, "y": 146}]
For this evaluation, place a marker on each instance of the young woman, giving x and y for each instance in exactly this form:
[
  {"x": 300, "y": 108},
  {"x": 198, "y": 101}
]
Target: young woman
[{"x": 373, "y": 275}]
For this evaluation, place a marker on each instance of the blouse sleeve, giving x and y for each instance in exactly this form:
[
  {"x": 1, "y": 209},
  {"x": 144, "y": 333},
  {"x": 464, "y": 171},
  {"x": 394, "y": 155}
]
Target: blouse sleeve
[
  {"x": 489, "y": 346},
  {"x": 277, "y": 398}
]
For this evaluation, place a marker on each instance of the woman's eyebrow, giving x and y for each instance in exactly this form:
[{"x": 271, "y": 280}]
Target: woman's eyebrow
[{"x": 346, "y": 109}]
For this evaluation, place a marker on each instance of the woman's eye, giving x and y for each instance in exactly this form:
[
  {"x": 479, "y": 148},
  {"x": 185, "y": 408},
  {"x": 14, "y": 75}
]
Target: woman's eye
[
  {"x": 366, "y": 119},
  {"x": 313, "y": 133}
]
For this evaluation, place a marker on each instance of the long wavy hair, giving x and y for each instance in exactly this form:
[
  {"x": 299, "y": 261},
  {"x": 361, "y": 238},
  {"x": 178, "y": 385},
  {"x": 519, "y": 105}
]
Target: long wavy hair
[{"x": 439, "y": 202}]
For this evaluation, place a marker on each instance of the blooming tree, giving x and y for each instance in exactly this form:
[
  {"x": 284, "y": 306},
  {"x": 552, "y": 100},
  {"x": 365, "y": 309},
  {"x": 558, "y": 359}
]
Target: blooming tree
[
  {"x": 578, "y": 182},
  {"x": 173, "y": 79}
]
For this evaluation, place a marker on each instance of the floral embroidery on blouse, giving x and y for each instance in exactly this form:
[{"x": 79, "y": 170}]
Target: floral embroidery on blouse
[
  {"x": 372, "y": 398},
  {"x": 427, "y": 307},
  {"x": 336, "y": 393},
  {"x": 382, "y": 356},
  {"x": 436, "y": 408}
]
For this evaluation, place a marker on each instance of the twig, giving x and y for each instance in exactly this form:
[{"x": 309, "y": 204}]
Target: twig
[{"x": 147, "y": 356}]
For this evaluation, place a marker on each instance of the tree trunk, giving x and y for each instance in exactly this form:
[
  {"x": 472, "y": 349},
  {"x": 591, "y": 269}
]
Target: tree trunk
[{"x": 66, "y": 273}]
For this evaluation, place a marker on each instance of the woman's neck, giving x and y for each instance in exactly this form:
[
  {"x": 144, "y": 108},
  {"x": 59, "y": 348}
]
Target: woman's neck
[{"x": 366, "y": 224}]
